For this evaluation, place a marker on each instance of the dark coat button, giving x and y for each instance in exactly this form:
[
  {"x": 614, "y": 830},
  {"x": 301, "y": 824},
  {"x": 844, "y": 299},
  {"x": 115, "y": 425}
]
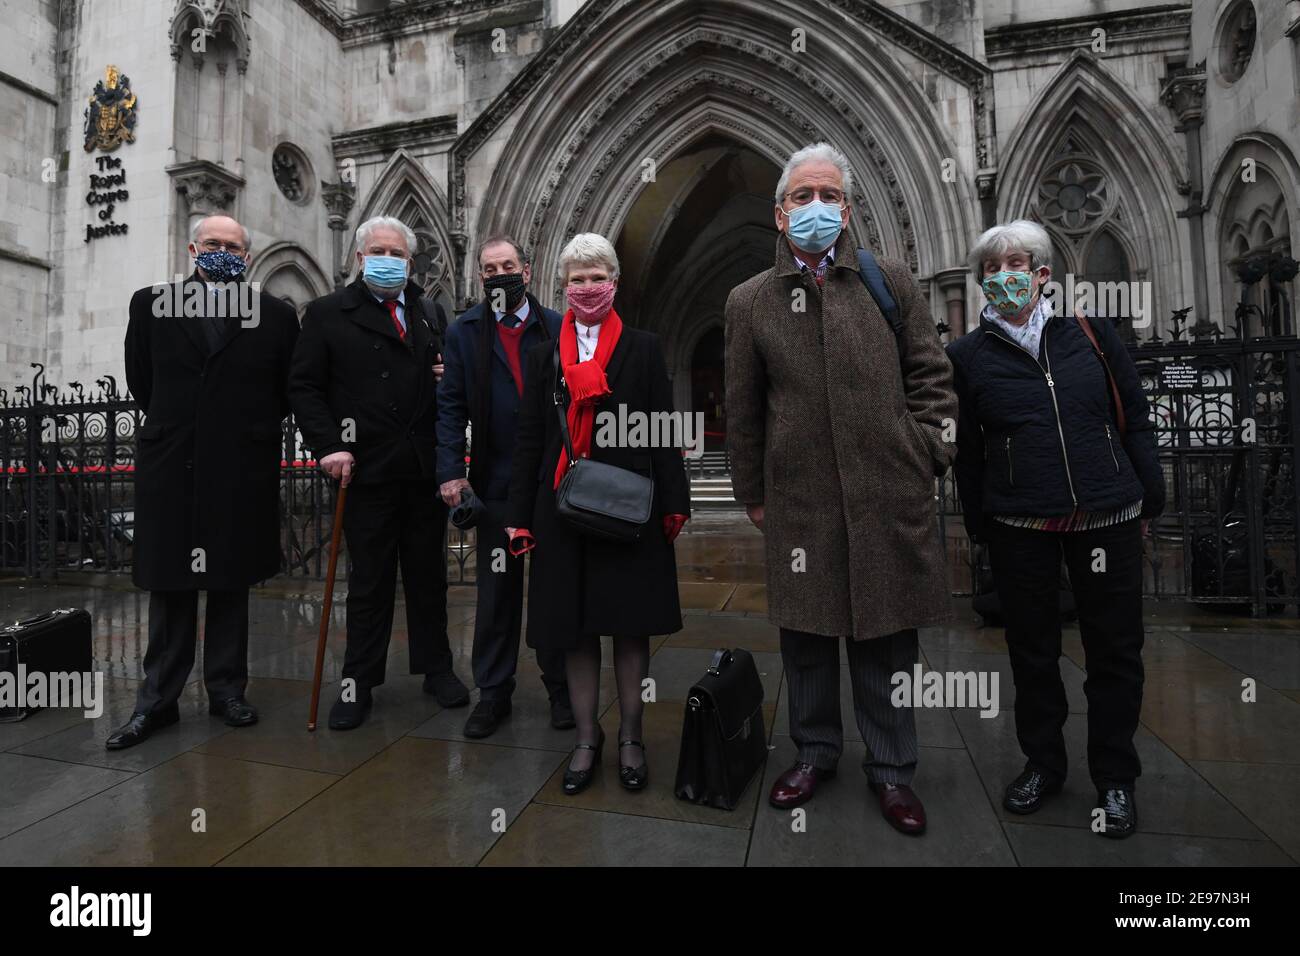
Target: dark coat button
[
  {"x": 383, "y": 374},
  {"x": 375, "y": 346}
]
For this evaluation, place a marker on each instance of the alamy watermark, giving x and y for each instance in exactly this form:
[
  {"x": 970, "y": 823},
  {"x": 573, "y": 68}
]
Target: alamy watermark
[
  {"x": 29, "y": 690},
  {"x": 1131, "y": 300},
  {"x": 946, "y": 689},
  {"x": 637, "y": 429},
  {"x": 183, "y": 298}
]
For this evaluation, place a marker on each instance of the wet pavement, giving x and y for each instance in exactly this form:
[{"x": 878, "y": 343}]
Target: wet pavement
[{"x": 1220, "y": 784}]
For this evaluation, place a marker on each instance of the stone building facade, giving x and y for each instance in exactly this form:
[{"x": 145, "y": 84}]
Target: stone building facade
[{"x": 1158, "y": 142}]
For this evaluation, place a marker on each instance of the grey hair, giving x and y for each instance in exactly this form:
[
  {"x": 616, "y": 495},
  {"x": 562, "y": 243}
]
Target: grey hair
[
  {"x": 367, "y": 229},
  {"x": 1023, "y": 235},
  {"x": 588, "y": 249},
  {"x": 817, "y": 152},
  {"x": 198, "y": 225}
]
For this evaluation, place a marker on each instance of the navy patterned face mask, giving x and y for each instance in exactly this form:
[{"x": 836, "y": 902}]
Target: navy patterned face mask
[{"x": 221, "y": 266}]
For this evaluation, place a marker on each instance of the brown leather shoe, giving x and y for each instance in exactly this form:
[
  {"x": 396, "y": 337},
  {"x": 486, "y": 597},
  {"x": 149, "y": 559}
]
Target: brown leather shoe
[
  {"x": 797, "y": 785},
  {"x": 901, "y": 807}
]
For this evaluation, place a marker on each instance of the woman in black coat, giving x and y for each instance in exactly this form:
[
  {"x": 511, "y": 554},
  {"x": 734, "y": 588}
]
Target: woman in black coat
[
  {"x": 580, "y": 587},
  {"x": 1056, "y": 456}
]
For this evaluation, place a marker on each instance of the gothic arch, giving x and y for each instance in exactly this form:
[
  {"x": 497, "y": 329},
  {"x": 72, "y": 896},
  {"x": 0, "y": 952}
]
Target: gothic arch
[
  {"x": 1237, "y": 211},
  {"x": 404, "y": 189},
  {"x": 287, "y": 269},
  {"x": 1085, "y": 111},
  {"x": 722, "y": 65}
]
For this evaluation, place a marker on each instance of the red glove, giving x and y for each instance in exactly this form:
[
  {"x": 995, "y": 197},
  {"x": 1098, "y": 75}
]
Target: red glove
[
  {"x": 521, "y": 541},
  {"x": 673, "y": 526}
]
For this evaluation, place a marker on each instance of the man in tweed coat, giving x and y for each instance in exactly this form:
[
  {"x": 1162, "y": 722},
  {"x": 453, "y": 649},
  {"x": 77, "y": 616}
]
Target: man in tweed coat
[{"x": 836, "y": 429}]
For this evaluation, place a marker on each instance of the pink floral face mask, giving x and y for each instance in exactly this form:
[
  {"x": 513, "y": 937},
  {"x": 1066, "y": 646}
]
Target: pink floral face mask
[{"x": 590, "y": 303}]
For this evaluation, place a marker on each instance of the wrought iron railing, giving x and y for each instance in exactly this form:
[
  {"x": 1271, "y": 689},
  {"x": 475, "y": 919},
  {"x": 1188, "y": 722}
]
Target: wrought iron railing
[{"x": 1223, "y": 408}]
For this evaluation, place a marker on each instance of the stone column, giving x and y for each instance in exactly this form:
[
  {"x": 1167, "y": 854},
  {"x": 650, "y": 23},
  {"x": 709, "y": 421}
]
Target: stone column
[
  {"x": 952, "y": 285},
  {"x": 338, "y": 199},
  {"x": 205, "y": 189},
  {"x": 1183, "y": 91}
]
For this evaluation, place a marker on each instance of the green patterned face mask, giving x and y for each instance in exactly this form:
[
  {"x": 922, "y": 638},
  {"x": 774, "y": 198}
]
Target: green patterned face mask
[{"x": 1008, "y": 292}]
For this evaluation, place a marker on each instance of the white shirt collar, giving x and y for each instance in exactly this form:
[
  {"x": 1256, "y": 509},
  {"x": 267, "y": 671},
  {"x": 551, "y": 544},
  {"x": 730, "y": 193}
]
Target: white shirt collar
[{"x": 588, "y": 337}]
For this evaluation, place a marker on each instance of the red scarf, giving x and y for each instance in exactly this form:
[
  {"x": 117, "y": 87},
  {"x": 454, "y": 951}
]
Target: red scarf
[{"x": 586, "y": 383}]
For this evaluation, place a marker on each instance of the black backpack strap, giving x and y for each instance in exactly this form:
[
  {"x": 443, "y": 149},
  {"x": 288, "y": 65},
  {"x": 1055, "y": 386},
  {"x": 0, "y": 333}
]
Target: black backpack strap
[{"x": 874, "y": 280}]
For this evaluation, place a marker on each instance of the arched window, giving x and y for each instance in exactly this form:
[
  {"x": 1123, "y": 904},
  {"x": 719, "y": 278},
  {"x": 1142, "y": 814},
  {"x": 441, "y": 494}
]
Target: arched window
[{"x": 1107, "y": 269}]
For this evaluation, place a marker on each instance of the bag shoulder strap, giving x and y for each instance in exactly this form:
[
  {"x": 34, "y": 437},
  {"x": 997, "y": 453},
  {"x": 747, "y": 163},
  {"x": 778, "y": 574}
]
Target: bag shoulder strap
[
  {"x": 558, "y": 392},
  {"x": 1110, "y": 378},
  {"x": 874, "y": 280}
]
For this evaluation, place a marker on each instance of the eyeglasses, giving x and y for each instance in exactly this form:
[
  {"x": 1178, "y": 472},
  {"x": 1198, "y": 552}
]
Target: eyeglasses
[
  {"x": 805, "y": 195},
  {"x": 211, "y": 245}
]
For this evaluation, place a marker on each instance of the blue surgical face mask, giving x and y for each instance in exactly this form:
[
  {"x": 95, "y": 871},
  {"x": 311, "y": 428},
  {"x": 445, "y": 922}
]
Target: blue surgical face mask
[
  {"x": 221, "y": 266},
  {"x": 814, "y": 226},
  {"x": 384, "y": 272}
]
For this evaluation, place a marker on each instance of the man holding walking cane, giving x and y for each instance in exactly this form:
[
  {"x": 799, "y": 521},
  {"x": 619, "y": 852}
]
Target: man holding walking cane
[{"x": 363, "y": 388}]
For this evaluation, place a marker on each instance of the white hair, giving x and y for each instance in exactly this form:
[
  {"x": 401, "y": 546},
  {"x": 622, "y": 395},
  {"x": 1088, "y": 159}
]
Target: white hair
[
  {"x": 589, "y": 249},
  {"x": 198, "y": 226},
  {"x": 817, "y": 152},
  {"x": 1020, "y": 235},
  {"x": 367, "y": 229}
]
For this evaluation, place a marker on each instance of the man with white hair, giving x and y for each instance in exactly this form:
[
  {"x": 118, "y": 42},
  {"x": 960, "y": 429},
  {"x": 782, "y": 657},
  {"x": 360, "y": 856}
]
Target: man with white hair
[
  {"x": 837, "y": 395},
  {"x": 363, "y": 387},
  {"x": 207, "y": 359}
]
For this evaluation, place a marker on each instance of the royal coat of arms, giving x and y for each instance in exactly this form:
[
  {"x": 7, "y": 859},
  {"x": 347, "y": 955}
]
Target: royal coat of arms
[{"x": 110, "y": 117}]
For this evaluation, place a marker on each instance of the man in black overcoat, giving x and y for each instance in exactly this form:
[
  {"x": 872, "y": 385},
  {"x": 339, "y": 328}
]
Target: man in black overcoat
[
  {"x": 363, "y": 388},
  {"x": 207, "y": 359}
]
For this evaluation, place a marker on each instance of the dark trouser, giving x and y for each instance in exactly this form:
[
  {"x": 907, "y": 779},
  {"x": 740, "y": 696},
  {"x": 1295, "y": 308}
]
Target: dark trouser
[
  {"x": 173, "y": 629},
  {"x": 812, "y": 674},
  {"x": 386, "y": 524},
  {"x": 500, "y": 614},
  {"x": 1026, "y": 571}
]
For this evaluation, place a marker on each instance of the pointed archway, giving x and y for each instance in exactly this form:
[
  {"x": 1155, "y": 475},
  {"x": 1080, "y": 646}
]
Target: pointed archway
[
  {"x": 404, "y": 190},
  {"x": 1091, "y": 163},
  {"x": 584, "y": 129}
]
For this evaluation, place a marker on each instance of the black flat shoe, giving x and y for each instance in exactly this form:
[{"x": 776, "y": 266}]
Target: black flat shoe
[
  {"x": 447, "y": 689},
  {"x": 236, "y": 711},
  {"x": 486, "y": 717},
  {"x": 576, "y": 781},
  {"x": 350, "y": 714},
  {"x": 1026, "y": 793},
  {"x": 562, "y": 713},
  {"x": 1120, "y": 806},
  {"x": 633, "y": 778},
  {"x": 140, "y": 726}
]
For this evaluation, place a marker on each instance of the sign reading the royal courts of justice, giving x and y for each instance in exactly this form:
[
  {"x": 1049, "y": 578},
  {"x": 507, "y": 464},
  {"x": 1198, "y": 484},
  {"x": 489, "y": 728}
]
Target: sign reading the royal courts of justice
[{"x": 110, "y": 122}]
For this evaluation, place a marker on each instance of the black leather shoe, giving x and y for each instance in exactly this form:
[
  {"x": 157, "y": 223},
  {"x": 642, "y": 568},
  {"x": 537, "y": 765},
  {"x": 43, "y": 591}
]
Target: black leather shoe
[
  {"x": 633, "y": 778},
  {"x": 350, "y": 714},
  {"x": 447, "y": 688},
  {"x": 1120, "y": 807},
  {"x": 236, "y": 711},
  {"x": 562, "y": 713},
  {"x": 1025, "y": 794},
  {"x": 140, "y": 726},
  {"x": 576, "y": 781},
  {"x": 486, "y": 717}
]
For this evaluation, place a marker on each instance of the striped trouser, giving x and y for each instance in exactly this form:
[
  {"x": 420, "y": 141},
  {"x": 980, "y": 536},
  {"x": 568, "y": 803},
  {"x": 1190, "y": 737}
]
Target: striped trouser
[{"x": 812, "y": 674}]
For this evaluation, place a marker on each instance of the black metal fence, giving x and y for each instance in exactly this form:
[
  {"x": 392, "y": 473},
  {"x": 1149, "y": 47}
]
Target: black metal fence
[
  {"x": 1224, "y": 413},
  {"x": 67, "y": 460}
]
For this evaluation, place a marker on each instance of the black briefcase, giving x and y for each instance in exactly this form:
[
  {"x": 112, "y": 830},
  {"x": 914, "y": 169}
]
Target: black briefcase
[
  {"x": 724, "y": 742},
  {"x": 57, "y": 642}
]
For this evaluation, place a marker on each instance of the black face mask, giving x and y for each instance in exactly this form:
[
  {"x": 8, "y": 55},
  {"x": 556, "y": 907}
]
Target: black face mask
[{"x": 511, "y": 284}]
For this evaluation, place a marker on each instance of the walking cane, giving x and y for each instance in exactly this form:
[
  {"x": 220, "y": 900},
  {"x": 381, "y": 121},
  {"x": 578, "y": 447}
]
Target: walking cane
[{"x": 325, "y": 611}]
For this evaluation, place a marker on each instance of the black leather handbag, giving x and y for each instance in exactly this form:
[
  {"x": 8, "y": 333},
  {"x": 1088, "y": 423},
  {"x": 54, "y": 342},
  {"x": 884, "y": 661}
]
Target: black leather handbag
[
  {"x": 724, "y": 741},
  {"x": 599, "y": 499}
]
